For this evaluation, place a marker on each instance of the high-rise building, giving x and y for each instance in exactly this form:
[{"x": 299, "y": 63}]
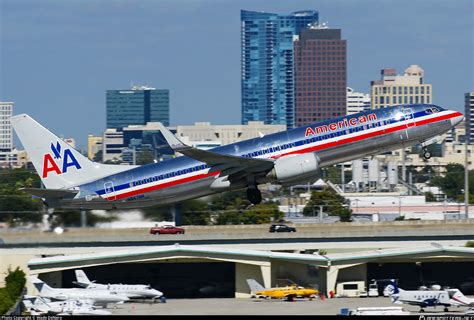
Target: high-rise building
[
  {"x": 6, "y": 134},
  {"x": 469, "y": 115},
  {"x": 357, "y": 101},
  {"x": 320, "y": 75},
  {"x": 395, "y": 89},
  {"x": 267, "y": 64},
  {"x": 137, "y": 106}
]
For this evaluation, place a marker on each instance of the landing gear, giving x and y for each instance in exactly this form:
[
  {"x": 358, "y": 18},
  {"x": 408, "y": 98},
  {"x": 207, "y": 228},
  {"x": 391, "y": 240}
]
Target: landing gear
[
  {"x": 254, "y": 195},
  {"x": 426, "y": 153}
]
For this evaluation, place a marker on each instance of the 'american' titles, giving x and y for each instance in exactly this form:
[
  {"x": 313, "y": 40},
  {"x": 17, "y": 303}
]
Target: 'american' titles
[{"x": 341, "y": 124}]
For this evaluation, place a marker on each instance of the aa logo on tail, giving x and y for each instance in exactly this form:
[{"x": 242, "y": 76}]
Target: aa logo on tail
[{"x": 59, "y": 164}]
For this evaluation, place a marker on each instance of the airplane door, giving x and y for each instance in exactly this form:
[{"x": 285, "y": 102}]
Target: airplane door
[
  {"x": 109, "y": 190},
  {"x": 409, "y": 121}
]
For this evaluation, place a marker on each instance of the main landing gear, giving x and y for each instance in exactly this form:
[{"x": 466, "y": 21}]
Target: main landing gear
[
  {"x": 426, "y": 153},
  {"x": 254, "y": 195}
]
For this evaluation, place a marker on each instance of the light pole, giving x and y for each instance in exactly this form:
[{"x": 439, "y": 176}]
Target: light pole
[{"x": 466, "y": 176}]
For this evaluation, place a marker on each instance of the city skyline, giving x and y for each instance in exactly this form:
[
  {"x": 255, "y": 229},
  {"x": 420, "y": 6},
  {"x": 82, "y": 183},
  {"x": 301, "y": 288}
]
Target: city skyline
[{"x": 61, "y": 57}]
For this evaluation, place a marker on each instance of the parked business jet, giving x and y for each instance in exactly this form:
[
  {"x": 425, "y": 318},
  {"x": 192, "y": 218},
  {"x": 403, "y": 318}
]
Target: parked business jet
[
  {"x": 98, "y": 296},
  {"x": 36, "y": 305},
  {"x": 421, "y": 298},
  {"x": 290, "y": 157},
  {"x": 129, "y": 290}
]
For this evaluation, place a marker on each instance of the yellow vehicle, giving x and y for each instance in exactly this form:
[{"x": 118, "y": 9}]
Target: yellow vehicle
[{"x": 288, "y": 292}]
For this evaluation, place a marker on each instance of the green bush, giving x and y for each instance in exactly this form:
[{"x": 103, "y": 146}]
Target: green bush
[
  {"x": 15, "y": 282},
  {"x": 470, "y": 244}
]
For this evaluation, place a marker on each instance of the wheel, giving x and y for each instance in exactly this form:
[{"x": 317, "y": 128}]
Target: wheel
[
  {"x": 422, "y": 310},
  {"x": 427, "y": 155},
  {"x": 157, "y": 233},
  {"x": 446, "y": 310},
  {"x": 254, "y": 195}
]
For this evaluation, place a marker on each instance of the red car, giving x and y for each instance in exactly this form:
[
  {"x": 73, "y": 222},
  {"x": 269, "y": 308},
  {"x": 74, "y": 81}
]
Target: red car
[{"x": 166, "y": 230}]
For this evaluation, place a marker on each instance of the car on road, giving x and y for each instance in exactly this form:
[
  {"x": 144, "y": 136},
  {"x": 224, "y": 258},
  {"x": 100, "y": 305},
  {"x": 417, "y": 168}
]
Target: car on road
[
  {"x": 281, "y": 228},
  {"x": 166, "y": 230}
]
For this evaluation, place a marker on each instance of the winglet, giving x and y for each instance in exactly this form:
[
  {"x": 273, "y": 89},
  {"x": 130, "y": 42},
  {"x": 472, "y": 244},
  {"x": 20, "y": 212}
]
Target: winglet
[{"x": 171, "y": 139}]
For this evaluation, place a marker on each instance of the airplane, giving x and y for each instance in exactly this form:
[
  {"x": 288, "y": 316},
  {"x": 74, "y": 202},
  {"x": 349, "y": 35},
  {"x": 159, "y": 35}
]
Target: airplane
[
  {"x": 421, "y": 298},
  {"x": 459, "y": 299},
  {"x": 290, "y": 157},
  {"x": 128, "y": 290},
  {"x": 36, "y": 305},
  {"x": 98, "y": 296},
  {"x": 288, "y": 292}
]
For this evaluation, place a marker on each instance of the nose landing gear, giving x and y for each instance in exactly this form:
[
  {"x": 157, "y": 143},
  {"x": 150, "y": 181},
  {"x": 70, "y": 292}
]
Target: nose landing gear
[{"x": 426, "y": 153}]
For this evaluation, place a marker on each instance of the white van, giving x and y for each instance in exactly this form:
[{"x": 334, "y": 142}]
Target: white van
[{"x": 351, "y": 289}]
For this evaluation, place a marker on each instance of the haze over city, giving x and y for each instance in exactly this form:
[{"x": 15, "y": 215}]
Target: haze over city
[{"x": 59, "y": 57}]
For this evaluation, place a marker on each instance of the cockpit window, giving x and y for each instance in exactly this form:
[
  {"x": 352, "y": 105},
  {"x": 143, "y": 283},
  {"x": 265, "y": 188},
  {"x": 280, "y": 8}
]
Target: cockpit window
[{"x": 432, "y": 110}]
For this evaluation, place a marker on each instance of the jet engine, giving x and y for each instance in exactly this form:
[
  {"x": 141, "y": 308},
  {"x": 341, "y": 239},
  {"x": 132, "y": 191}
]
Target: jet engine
[{"x": 295, "y": 168}]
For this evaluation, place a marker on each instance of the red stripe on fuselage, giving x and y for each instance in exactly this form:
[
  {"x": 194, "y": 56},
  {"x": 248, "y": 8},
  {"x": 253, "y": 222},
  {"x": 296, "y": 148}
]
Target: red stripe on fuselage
[
  {"x": 164, "y": 185},
  {"x": 380, "y": 132}
]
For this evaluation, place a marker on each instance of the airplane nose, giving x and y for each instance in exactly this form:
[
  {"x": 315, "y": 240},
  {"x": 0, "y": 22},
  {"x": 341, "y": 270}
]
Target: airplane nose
[{"x": 457, "y": 119}]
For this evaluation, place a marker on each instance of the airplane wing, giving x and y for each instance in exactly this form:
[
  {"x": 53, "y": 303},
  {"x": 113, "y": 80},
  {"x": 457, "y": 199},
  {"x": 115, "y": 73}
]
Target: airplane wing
[{"x": 226, "y": 164}]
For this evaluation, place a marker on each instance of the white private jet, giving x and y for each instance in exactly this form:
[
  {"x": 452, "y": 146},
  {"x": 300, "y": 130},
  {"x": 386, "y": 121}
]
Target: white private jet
[
  {"x": 129, "y": 290},
  {"x": 36, "y": 305},
  {"x": 98, "y": 296}
]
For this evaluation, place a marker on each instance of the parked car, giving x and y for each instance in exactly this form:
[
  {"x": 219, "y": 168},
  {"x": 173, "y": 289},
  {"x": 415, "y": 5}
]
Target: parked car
[
  {"x": 166, "y": 230},
  {"x": 281, "y": 228}
]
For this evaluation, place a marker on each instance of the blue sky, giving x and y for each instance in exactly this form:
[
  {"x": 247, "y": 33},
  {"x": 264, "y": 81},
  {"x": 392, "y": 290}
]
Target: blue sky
[{"x": 57, "y": 58}]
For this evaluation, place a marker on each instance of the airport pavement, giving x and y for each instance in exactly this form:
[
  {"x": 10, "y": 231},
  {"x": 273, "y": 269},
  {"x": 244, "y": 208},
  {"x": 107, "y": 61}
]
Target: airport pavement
[{"x": 228, "y": 306}]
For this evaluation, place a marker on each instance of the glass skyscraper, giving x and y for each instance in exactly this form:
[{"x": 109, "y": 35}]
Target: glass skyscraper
[
  {"x": 267, "y": 64},
  {"x": 137, "y": 106}
]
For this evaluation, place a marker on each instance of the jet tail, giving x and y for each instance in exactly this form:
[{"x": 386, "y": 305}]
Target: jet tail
[
  {"x": 254, "y": 286},
  {"x": 82, "y": 278},
  {"x": 42, "y": 287},
  {"x": 58, "y": 164}
]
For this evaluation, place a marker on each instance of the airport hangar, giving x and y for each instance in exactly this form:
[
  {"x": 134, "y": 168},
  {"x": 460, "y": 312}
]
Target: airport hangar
[{"x": 181, "y": 271}]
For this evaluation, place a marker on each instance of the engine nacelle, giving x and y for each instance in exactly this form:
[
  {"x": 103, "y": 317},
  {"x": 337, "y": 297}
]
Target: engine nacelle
[{"x": 295, "y": 168}]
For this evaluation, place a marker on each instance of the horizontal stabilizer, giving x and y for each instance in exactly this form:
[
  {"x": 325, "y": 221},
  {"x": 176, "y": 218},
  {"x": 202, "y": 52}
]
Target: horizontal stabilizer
[{"x": 51, "y": 193}]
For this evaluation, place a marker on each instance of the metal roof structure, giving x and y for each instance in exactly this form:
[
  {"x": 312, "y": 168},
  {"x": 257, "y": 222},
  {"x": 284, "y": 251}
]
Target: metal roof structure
[{"x": 227, "y": 254}]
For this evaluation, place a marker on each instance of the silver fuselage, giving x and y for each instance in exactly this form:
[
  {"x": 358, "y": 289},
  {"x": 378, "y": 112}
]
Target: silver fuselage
[{"x": 333, "y": 141}]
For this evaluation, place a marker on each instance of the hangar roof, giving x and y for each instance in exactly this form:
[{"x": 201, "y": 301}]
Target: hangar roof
[
  {"x": 77, "y": 260},
  {"x": 175, "y": 250}
]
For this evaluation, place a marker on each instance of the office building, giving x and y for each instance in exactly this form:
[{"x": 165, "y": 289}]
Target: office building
[
  {"x": 357, "y": 101},
  {"x": 94, "y": 145},
  {"x": 226, "y": 134},
  {"x": 112, "y": 145},
  {"x": 469, "y": 115},
  {"x": 320, "y": 75},
  {"x": 137, "y": 106},
  {"x": 267, "y": 78},
  {"x": 6, "y": 133},
  {"x": 395, "y": 89}
]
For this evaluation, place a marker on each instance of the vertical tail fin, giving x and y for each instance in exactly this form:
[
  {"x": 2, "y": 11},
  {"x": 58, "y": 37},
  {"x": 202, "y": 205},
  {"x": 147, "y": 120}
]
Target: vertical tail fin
[
  {"x": 58, "y": 164},
  {"x": 42, "y": 287},
  {"x": 82, "y": 278},
  {"x": 254, "y": 286}
]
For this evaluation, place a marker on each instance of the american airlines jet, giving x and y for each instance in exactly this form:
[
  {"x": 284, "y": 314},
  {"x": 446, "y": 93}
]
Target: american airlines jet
[{"x": 286, "y": 158}]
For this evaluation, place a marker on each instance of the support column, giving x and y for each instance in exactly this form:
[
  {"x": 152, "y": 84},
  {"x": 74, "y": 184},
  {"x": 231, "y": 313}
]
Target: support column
[
  {"x": 266, "y": 276},
  {"x": 176, "y": 211},
  {"x": 331, "y": 279},
  {"x": 83, "y": 219}
]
